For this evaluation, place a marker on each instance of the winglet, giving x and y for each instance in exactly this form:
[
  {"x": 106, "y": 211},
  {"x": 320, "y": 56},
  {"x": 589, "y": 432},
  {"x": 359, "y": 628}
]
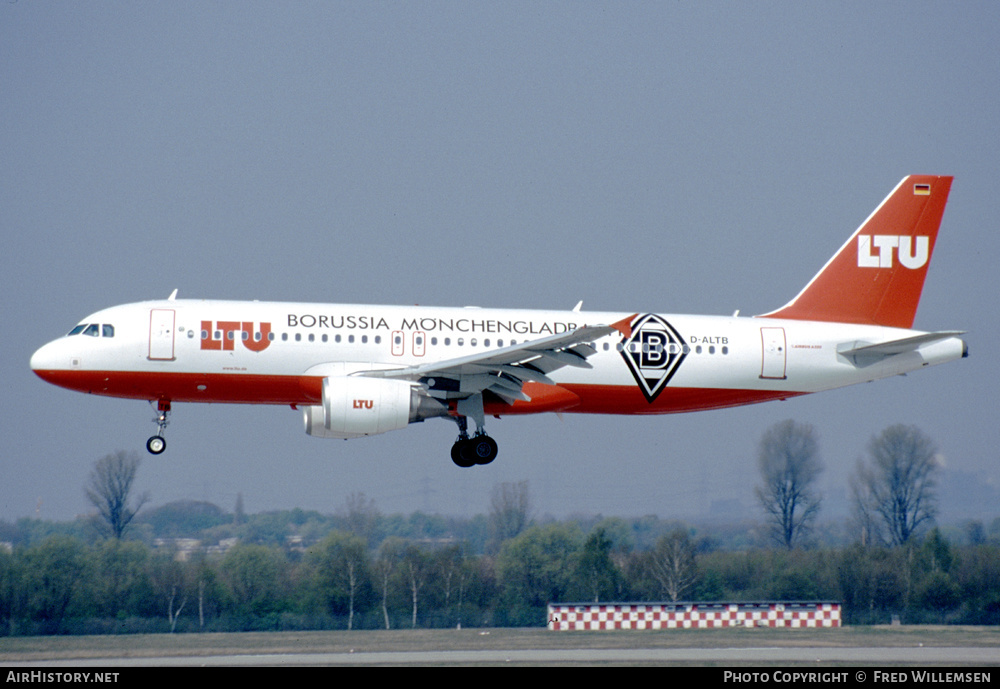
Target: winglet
[{"x": 877, "y": 276}]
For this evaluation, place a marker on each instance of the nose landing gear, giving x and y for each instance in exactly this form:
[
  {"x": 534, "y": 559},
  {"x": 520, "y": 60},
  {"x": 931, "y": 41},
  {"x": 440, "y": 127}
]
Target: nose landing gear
[{"x": 157, "y": 443}]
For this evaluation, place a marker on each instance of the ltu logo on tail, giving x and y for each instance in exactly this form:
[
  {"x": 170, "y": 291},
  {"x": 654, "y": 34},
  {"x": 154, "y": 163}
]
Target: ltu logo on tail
[{"x": 910, "y": 256}]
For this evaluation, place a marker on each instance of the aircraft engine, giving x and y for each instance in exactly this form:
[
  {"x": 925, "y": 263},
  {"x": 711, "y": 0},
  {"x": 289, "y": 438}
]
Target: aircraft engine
[{"x": 356, "y": 406}]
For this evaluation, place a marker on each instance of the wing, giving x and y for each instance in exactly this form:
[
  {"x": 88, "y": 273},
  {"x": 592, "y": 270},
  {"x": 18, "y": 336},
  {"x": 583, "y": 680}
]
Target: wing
[{"x": 504, "y": 371}]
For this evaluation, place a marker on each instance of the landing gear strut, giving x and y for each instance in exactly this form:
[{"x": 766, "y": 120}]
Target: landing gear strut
[
  {"x": 480, "y": 448},
  {"x": 157, "y": 443}
]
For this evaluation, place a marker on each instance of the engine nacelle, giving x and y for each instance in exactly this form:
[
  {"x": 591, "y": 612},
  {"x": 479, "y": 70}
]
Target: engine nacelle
[{"x": 356, "y": 406}]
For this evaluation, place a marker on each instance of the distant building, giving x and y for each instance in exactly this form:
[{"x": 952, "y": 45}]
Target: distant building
[{"x": 183, "y": 547}]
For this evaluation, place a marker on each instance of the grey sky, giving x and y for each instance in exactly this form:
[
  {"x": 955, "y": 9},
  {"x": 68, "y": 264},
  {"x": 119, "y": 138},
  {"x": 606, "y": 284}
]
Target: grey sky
[{"x": 671, "y": 157}]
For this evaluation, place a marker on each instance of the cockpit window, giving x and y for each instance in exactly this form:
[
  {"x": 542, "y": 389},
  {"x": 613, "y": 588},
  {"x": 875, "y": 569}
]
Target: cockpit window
[{"x": 93, "y": 330}]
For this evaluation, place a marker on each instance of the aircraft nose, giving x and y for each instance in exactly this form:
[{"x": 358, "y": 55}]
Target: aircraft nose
[
  {"x": 46, "y": 358},
  {"x": 39, "y": 359}
]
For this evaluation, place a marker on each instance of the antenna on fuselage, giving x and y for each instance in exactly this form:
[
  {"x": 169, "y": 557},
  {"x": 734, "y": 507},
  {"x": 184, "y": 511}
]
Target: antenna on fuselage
[{"x": 173, "y": 295}]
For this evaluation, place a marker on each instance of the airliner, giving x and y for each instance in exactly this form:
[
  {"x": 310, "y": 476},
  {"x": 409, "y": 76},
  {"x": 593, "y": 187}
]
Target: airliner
[{"x": 359, "y": 370}]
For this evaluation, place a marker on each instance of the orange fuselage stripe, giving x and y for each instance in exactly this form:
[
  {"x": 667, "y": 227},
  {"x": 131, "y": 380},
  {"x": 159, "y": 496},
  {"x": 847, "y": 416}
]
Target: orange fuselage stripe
[{"x": 248, "y": 388}]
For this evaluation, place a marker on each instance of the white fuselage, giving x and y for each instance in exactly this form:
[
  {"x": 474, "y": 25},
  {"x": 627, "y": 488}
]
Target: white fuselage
[{"x": 279, "y": 353}]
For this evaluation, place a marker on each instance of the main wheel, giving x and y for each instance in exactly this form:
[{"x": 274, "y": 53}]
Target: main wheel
[
  {"x": 458, "y": 453},
  {"x": 481, "y": 450},
  {"x": 156, "y": 444}
]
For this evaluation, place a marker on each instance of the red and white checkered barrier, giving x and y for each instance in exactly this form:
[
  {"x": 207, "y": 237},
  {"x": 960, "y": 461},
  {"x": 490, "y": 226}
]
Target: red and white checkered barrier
[{"x": 603, "y": 616}]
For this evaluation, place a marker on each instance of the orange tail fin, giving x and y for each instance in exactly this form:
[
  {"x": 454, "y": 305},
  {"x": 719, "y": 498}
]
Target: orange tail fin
[{"x": 877, "y": 276}]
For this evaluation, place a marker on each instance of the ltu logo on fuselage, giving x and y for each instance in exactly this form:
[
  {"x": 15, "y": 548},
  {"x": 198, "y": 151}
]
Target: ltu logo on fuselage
[
  {"x": 910, "y": 256},
  {"x": 653, "y": 353},
  {"x": 225, "y": 333}
]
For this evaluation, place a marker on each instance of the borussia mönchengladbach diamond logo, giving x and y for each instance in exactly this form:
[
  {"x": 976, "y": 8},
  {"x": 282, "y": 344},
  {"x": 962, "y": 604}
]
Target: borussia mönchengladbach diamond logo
[{"x": 653, "y": 353}]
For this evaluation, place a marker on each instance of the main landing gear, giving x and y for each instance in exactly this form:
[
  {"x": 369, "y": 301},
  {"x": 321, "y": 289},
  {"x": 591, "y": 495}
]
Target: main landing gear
[
  {"x": 157, "y": 443},
  {"x": 480, "y": 448}
]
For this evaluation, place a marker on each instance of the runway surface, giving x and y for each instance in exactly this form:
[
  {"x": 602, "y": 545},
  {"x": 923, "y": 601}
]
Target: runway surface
[{"x": 977, "y": 656}]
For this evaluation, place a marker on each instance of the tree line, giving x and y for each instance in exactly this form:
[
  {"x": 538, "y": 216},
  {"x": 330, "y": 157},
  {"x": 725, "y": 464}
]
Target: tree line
[
  {"x": 191, "y": 566},
  {"x": 62, "y": 584}
]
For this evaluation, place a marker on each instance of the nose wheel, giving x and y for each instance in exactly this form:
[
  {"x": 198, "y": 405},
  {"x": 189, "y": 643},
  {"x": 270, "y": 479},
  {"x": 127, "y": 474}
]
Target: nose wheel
[{"x": 157, "y": 443}]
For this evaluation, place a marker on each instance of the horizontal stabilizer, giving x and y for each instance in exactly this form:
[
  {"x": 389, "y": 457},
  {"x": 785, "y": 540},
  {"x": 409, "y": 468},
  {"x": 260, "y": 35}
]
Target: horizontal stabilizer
[{"x": 865, "y": 354}]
